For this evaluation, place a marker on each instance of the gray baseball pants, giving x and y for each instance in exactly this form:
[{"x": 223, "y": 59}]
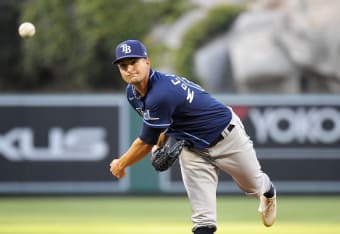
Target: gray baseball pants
[{"x": 234, "y": 155}]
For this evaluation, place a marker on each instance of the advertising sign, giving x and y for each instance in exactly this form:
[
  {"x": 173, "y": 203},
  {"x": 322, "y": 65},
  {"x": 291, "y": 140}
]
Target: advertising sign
[{"x": 60, "y": 144}]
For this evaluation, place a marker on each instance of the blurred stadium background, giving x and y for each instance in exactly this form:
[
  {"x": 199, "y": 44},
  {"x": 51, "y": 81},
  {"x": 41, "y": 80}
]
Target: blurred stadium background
[{"x": 64, "y": 115}]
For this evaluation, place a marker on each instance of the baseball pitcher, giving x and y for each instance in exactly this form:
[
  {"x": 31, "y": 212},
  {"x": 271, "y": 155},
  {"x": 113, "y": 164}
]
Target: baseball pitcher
[{"x": 182, "y": 121}]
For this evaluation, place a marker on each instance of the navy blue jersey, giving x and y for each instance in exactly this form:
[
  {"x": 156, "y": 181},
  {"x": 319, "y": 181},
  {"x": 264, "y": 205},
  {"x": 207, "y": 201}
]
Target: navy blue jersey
[{"x": 182, "y": 108}]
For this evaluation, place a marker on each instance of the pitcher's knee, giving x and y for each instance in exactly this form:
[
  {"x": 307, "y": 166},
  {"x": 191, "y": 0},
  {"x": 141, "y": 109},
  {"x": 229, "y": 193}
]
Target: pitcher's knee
[{"x": 262, "y": 185}]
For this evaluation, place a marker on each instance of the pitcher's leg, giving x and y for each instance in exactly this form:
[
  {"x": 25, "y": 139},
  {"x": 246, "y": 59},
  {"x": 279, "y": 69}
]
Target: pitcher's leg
[
  {"x": 236, "y": 156},
  {"x": 200, "y": 180},
  {"x": 246, "y": 171}
]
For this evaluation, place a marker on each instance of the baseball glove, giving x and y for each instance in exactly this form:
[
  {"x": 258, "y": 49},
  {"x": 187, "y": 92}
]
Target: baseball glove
[{"x": 165, "y": 156}]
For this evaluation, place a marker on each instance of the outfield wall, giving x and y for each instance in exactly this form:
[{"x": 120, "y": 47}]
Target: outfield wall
[{"x": 63, "y": 144}]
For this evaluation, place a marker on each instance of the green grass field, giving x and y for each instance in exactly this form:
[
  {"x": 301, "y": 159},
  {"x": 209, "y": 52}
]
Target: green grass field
[{"x": 162, "y": 215}]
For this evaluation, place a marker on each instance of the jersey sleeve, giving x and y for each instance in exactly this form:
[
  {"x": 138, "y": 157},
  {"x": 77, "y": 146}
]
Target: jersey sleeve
[
  {"x": 150, "y": 135},
  {"x": 159, "y": 112}
]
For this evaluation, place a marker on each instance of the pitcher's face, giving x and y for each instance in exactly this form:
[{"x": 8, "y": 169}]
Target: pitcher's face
[{"x": 134, "y": 70}]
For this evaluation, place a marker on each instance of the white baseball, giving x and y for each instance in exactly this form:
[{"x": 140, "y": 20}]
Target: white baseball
[{"x": 26, "y": 29}]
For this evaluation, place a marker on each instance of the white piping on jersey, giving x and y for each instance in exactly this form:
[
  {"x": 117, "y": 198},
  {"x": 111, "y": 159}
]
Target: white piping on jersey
[
  {"x": 199, "y": 139},
  {"x": 156, "y": 125},
  {"x": 185, "y": 133},
  {"x": 192, "y": 136}
]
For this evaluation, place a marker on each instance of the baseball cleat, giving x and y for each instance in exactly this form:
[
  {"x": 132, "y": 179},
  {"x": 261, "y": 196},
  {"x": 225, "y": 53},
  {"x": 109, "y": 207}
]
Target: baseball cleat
[{"x": 267, "y": 210}]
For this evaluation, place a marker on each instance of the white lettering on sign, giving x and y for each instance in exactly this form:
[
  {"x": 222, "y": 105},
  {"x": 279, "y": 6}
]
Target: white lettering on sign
[
  {"x": 81, "y": 143},
  {"x": 301, "y": 125}
]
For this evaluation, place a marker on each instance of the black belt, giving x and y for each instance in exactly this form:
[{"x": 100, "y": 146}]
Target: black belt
[{"x": 221, "y": 137}]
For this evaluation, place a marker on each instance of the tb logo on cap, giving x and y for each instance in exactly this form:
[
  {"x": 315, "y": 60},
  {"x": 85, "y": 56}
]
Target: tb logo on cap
[{"x": 126, "y": 48}]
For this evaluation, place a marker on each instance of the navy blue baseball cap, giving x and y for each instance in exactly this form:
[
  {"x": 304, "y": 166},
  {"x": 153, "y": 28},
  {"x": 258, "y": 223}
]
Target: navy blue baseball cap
[{"x": 130, "y": 49}]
